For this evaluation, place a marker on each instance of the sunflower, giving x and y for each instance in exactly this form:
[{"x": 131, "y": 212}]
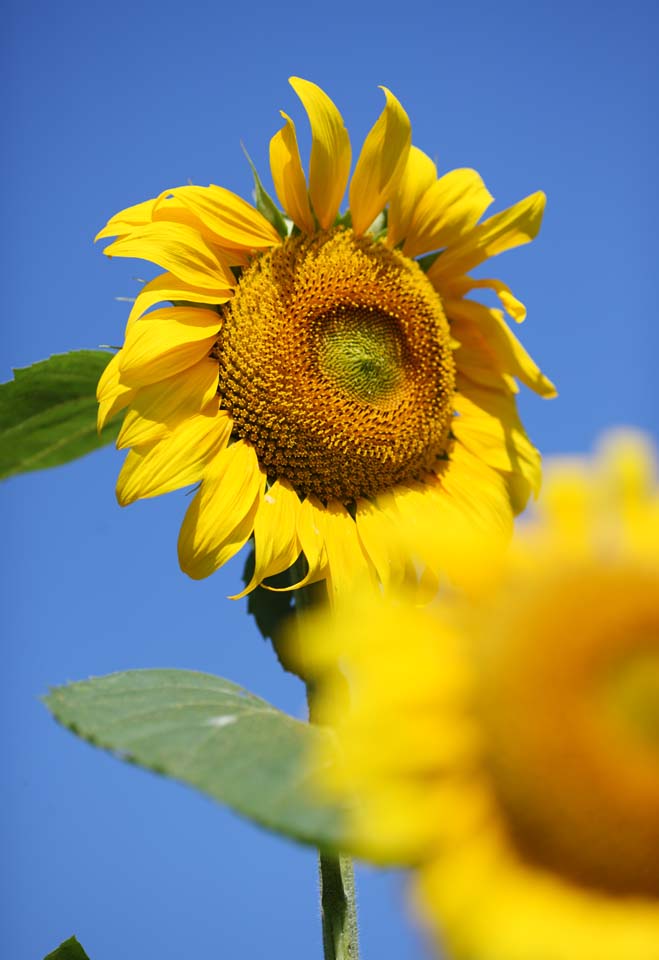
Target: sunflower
[
  {"x": 509, "y": 748},
  {"x": 323, "y": 377}
]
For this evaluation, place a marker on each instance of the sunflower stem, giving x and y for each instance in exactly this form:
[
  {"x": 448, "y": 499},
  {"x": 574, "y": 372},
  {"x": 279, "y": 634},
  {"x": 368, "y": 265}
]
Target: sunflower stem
[{"x": 338, "y": 904}]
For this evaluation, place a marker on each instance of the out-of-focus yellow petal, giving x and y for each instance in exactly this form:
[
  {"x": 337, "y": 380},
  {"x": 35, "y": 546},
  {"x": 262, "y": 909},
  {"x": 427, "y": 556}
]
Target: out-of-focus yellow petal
[
  {"x": 448, "y": 209},
  {"x": 166, "y": 342},
  {"x": 288, "y": 176},
  {"x": 489, "y": 426},
  {"x": 276, "y": 543},
  {"x": 486, "y": 331},
  {"x": 329, "y": 166},
  {"x": 111, "y": 393},
  {"x": 232, "y": 221},
  {"x": 180, "y": 249},
  {"x": 175, "y": 461},
  {"x": 126, "y": 220},
  {"x": 466, "y": 499},
  {"x": 419, "y": 174},
  {"x": 221, "y": 517},
  {"x": 156, "y": 410},
  {"x": 380, "y": 164},
  {"x": 414, "y": 506},
  {"x": 168, "y": 288},
  {"x": 511, "y": 228}
]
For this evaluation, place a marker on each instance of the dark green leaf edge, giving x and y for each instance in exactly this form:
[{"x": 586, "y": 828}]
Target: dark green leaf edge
[{"x": 68, "y": 950}]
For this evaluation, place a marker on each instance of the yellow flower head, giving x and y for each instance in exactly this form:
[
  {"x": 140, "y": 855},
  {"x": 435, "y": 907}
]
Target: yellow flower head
[
  {"x": 322, "y": 384},
  {"x": 508, "y": 744}
]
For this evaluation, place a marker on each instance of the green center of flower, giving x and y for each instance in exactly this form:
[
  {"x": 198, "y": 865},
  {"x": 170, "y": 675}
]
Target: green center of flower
[{"x": 363, "y": 352}]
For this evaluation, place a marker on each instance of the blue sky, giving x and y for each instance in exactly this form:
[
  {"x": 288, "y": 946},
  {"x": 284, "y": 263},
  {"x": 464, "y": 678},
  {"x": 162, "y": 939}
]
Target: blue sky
[{"x": 108, "y": 104}]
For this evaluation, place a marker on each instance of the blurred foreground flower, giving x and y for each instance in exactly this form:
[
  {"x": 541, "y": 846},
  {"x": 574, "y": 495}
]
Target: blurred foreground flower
[
  {"x": 508, "y": 743},
  {"x": 324, "y": 385}
]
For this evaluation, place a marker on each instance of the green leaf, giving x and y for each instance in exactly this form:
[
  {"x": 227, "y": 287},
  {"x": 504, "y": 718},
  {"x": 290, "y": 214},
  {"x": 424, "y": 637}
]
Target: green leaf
[
  {"x": 68, "y": 950},
  {"x": 48, "y": 412},
  {"x": 264, "y": 202},
  {"x": 212, "y": 735}
]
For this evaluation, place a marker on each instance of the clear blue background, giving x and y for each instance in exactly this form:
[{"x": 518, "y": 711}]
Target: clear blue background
[{"x": 109, "y": 103}]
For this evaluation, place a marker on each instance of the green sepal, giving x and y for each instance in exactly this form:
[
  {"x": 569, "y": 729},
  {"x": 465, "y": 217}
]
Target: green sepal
[
  {"x": 48, "y": 412},
  {"x": 68, "y": 950},
  {"x": 264, "y": 202},
  {"x": 212, "y": 735},
  {"x": 426, "y": 262}
]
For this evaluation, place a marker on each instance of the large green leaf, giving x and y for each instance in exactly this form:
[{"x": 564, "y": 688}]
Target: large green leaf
[
  {"x": 48, "y": 412},
  {"x": 69, "y": 950},
  {"x": 212, "y": 735}
]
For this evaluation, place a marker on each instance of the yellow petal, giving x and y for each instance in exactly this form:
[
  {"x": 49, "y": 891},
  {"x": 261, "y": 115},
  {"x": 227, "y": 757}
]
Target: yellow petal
[
  {"x": 442, "y": 516},
  {"x": 111, "y": 393},
  {"x": 380, "y": 164},
  {"x": 288, "y": 176},
  {"x": 310, "y": 535},
  {"x": 414, "y": 505},
  {"x": 489, "y": 426},
  {"x": 167, "y": 288},
  {"x": 221, "y": 517},
  {"x": 513, "y": 227},
  {"x": 159, "y": 408},
  {"x": 165, "y": 342},
  {"x": 381, "y": 542},
  {"x": 110, "y": 407},
  {"x": 448, "y": 209},
  {"x": 276, "y": 543},
  {"x": 461, "y": 285},
  {"x": 180, "y": 249},
  {"x": 419, "y": 174},
  {"x": 109, "y": 379},
  {"x": 348, "y": 565},
  {"x": 329, "y": 166},
  {"x": 232, "y": 221},
  {"x": 176, "y": 461},
  {"x": 476, "y": 360},
  {"x": 127, "y": 220},
  {"x": 486, "y": 331},
  {"x": 473, "y": 491}
]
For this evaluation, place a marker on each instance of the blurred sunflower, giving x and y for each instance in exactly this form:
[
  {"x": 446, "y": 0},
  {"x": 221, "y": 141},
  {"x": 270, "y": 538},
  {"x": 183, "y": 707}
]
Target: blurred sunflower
[
  {"x": 322, "y": 384},
  {"x": 508, "y": 743}
]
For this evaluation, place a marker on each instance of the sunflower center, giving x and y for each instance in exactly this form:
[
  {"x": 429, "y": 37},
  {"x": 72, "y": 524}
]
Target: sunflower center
[
  {"x": 573, "y": 728},
  {"x": 336, "y": 364}
]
